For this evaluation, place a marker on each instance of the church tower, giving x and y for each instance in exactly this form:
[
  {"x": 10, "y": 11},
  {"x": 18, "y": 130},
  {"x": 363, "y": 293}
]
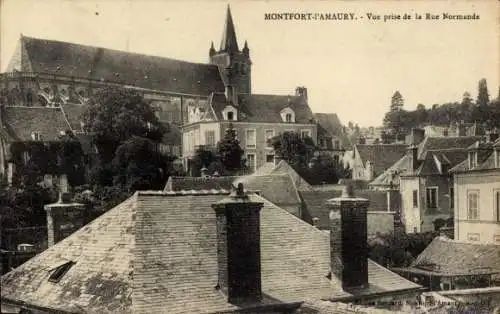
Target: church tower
[{"x": 235, "y": 65}]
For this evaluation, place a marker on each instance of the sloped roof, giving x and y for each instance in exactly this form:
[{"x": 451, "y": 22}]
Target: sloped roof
[
  {"x": 330, "y": 122},
  {"x": 276, "y": 188},
  {"x": 283, "y": 168},
  {"x": 315, "y": 204},
  {"x": 441, "y": 143},
  {"x": 391, "y": 175},
  {"x": 228, "y": 41},
  {"x": 157, "y": 252},
  {"x": 22, "y": 121},
  {"x": 74, "y": 114},
  {"x": 382, "y": 156},
  {"x": 265, "y": 108},
  {"x": 152, "y": 72},
  {"x": 450, "y": 257},
  {"x": 450, "y": 157},
  {"x": 199, "y": 183}
]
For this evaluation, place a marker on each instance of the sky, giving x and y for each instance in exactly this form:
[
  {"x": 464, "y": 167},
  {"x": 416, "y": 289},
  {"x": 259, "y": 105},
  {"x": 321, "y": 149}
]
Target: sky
[{"x": 350, "y": 67}]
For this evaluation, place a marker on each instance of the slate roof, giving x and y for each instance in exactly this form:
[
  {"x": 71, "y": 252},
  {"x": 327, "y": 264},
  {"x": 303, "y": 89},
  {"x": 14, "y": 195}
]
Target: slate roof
[
  {"x": 449, "y": 157},
  {"x": 283, "y": 168},
  {"x": 279, "y": 189},
  {"x": 22, "y": 121},
  {"x": 74, "y": 114},
  {"x": 382, "y": 156},
  {"x": 152, "y": 72},
  {"x": 330, "y": 122},
  {"x": 156, "y": 253},
  {"x": 315, "y": 204},
  {"x": 486, "y": 159},
  {"x": 391, "y": 175},
  {"x": 450, "y": 257},
  {"x": 441, "y": 143},
  {"x": 199, "y": 183},
  {"x": 265, "y": 108}
]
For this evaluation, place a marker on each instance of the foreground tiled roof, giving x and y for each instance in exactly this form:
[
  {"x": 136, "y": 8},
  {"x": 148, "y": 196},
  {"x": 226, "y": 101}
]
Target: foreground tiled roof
[
  {"x": 158, "y": 73},
  {"x": 266, "y": 108},
  {"x": 315, "y": 204},
  {"x": 449, "y": 257},
  {"x": 23, "y": 121},
  {"x": 382, "y": 156},
  {"x": 157, "y": 253}
]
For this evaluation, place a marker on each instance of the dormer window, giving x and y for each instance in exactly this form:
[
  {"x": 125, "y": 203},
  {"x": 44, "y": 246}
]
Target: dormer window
[
  {"x": 36, "y": 136},
  {"x": 288, "y": 115},
  {"x": 230, "y": 113}
]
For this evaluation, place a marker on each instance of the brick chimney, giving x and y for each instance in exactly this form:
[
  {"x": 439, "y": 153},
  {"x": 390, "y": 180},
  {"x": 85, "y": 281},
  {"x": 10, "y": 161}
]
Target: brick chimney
[
  {"x": 412, "y": 153},
  {"x": 348, "y": 239},
  {"x": 301, "y": 91},
  {"x": 63, "y": 218},
  {"x": 238, "y": 246}
]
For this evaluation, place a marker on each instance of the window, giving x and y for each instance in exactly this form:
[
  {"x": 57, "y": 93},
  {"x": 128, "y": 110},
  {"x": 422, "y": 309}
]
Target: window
[
  {"x": 415, "y": 198},
  {"x": 270, "y": 158},
  {"x": 336, "y": 144},
  {"x": 336, "y": 159},
  {"x": 497, "y": 158},
  {"x": 472, "y": 160},
  {"x": 473, "y": 237},
  {"x": 230, "y": 115},
  {"x": 305, "y": 133},
  {"x": 250, "y": 139},
  {"x": 497, "y": 205},
  {"x": 29, "y": 97},
  {"x": 269, "y": 136},
  {"x": 60, "y": 271},
  {"x": 288, "y": 117},
  {"x": 473, "y": 205},
  {"x": 432, "y": 197},
  {"x": 36, "y": 136},
  {"x": 210, "y": 138},
  {"x": 251, "y": 162},
  {"x": 452, "y": 198}
]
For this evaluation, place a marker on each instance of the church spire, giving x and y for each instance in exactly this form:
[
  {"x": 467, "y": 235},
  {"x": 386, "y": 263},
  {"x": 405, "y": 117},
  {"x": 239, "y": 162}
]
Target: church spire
[{"x": 229, "y": 42}]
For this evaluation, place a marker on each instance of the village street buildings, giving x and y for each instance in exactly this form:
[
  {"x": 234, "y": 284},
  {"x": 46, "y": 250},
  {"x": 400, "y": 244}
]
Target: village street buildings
[{"x": 477, "y": 194}]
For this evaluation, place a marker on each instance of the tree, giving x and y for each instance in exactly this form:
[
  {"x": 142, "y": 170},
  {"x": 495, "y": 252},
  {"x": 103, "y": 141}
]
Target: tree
[
  {"x": 397, "y": 101},
  {"x": 483, "y": 98},
  {"x": 203, "y": 157},
  {"x": 126, "y": 132},
  {"x": 294, "y": 149},
  {"x": 230, "y": 151},
  {"x": 115, "y": 115},
  {"x": 137, "y": 165}
]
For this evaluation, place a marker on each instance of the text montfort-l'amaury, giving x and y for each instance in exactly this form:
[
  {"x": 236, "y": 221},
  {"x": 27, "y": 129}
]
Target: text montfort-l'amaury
[{"x": 350, "y": 16}]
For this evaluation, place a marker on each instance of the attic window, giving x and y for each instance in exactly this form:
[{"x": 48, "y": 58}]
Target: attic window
[
  {"x": 60, "y": 271},
  {"x": 230, "y": 115}
]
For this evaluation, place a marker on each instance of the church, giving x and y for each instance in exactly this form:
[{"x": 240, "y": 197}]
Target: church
[{"x": 48, "y": 83}]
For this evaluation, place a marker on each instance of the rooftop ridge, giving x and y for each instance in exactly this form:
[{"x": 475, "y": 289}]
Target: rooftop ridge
[
  {"x": 184, "y": 192},
  {"x": 116, "y": 50}
]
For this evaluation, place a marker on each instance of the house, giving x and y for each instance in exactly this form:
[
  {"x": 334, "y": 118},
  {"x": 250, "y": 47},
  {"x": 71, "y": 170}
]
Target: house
[
  {"x": 330, "y": 135},
  {"x": 26, "y": 137},
  {"x": 448, "y": 264},
  {"x": 163, "y": 252},
  {"x": 477, "y": 193},
  {"x": 422, "y": 177},
  {"x": 370, "y": 160}
]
